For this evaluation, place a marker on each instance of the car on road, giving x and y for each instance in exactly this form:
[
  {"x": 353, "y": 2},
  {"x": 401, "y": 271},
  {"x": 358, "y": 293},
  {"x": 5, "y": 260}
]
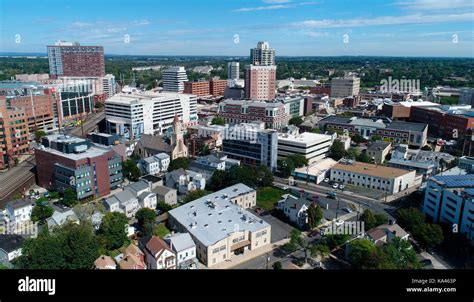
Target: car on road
[
  {"x": 335, "y": 185},
  {"x": 347, "y": 210},
  {"x": 258, "y": 211},
  {"x": 326, "y": 180},
  {"x": 341, "y": 187},
  {"x": 332, "y": 195},
  {"x": 285, "y": 188},
  {"x": 426, "y": 262},
  {"x": 264, "y": 213}
]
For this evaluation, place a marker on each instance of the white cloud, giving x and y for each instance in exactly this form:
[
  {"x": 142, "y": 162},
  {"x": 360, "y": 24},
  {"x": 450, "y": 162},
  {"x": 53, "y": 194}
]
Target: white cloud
[
  {"x": 278, "y": 4},
  {"x": 435, "y": 4},
  {"x": 387, "y": 20}
]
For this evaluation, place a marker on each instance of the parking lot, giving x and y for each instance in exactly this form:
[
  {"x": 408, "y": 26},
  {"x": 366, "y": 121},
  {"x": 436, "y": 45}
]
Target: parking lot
[{"x": 280, "y": 230}]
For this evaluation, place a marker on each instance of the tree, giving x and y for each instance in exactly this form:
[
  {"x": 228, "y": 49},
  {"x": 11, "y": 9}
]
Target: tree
[
  {"x": 39, "y": 134},
  {"x": 193, "y": 195},
  {"x": 298, "y": 242},
  {"x": 360, "y": 251},
  {"x": 298, "y": 160},
  {"x": 363, "y": 157},
  {"x": 410, "y": 218},
  {"x": 337, "y": 150},
  {"x": 372, "y": 220},
  {"x": 428, "y": 234},
  {"x": 146, "y": 221},
  {"x": 315, "y": 215},
  {"x": 277, "y": 265},
  {"x": 400, "y": 254},
  {"x": 70, "y": 246},
  {"x": 265, "y": 177},
  {"x": 99, "y": 105},
  {"x": 297, "y": 120},
  {"x": 286, "y": 166},
  {"x": 219, "y": 180},
  {"x": 69, "y": 197},
  {"x": 163, "y": 206},
  {"x": 320, "y": 250},
  {"x": 179, "y": 163},
  {"x": 316, "y": 130},
  {"x": 41, "y": 212},
  {"x": 375, "y": 138},
  {"x": 130, "y": 170},
  {"x": 218, "y": 121},
  {"x": 112, "y": 230},
  {"x": 357, "y": 138}
]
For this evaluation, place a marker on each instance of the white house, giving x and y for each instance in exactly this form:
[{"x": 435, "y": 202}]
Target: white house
[
  {"x": 158, "y": 254},
  {"x": 155, "y": 164},
  {"x": 61, "y": 217},
  {"x": 133, "y": 197},
  {"x": 184, "y": 247},
  {"x": 185, "y": 181},
  {"x": 10, "y": 247},
  {"x": 142, "y": 190},
  {"x": 19, "y": 211},
  {"x": 295, "y": 209}
]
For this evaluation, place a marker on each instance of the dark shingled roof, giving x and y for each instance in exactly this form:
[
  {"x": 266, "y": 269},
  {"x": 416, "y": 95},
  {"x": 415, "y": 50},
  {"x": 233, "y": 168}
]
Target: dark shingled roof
[
  {"x": 407, "y": 126},
  {"x": 10, "y": 243},
  {"x": 336, "y": 119},
  {"x": 154, "y": 143}
]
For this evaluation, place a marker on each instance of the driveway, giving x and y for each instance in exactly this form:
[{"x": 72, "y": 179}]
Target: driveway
[{"x": 280, "y": 230}]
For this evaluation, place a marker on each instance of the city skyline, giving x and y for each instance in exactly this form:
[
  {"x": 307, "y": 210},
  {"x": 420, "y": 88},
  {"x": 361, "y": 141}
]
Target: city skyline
[{"x": 429, "y": 28}]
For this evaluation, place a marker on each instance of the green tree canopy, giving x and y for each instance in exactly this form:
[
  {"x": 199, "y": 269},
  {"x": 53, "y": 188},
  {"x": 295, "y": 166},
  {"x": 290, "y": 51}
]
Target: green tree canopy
[
  {"x": 337, "y": 150},
  {"x": 193, "y": 195},
  {"x": 315, "y": 215},
  {"x": 112, "y": 230},
  {"x": 130, "y": 170},
  {"x": 179, "y": 163},
  {"x": 297, "y": 120},
  {"x": 146, "y": 221},
  {"x": 218, "y": 121}
]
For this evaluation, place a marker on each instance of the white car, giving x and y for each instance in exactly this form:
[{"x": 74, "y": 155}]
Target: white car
[
  {"x": 347, "y": 210},
  {"x": 326, "y": 180},
  {"x": 335, "y": 186},
  {"x": 341, "y": 187}
]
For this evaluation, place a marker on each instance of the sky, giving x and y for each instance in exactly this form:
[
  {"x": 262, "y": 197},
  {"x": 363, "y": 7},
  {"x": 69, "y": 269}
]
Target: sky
[{"x": 232, "y": 27}]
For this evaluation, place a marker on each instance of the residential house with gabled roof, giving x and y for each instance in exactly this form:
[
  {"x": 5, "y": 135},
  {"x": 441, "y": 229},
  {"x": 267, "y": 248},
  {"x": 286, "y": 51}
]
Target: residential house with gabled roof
[
  {"x": 105, "y": 262},
  {"x": 184, "y": 247},
  {"x": 185, "y": 181},
  {"x": 159, "y": 255},
  {"x": 19, "y": 211},
  {"x": 295, "y": 209}
]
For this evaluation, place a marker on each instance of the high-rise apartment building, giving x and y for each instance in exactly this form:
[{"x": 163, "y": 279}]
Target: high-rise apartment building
[
  {"x": 13, "y": 133},
  {"x": 345, "y": 87},
  {"x": 260, "y": 82},
  {"x": 174, "y": 79},
  {"x": 73, "y": 60},
  {"x": 262, "y": 55}
]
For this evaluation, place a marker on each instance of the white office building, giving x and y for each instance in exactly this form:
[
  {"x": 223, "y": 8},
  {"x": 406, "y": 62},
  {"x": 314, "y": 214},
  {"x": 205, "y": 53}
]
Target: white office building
[
  {"x": 262, "y": 55},
  {"x": 312, "y": 146},
  {"x": 133, "y": 114},
  {"x": 108, "y": 85},
  {"x": 233, "y": 70},
  {"x": 174, "y": 78}
]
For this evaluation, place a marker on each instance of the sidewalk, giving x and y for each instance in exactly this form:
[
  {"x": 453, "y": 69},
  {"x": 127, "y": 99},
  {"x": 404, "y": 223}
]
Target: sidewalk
[{"x": 236, "y": 260}]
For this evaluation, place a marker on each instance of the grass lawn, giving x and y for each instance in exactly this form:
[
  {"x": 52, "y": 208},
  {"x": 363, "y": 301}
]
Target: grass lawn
[
  {"x": 115, "y": 253},
  {"x": 161, "y": 230},
  {"x": 267, "y": 197},
  {"x": 3, "y": 266},
  {"x": 449, "y": 100}
]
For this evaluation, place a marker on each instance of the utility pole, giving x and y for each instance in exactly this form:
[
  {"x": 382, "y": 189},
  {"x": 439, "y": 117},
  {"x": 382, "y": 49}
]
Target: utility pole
[{"x": 337, "y": 210}]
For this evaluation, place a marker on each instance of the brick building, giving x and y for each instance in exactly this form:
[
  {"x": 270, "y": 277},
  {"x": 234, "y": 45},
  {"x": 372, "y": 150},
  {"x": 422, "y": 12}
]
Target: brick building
[
  {"x": 217, "y": 87},
  {"x": 199, "y": 88}
]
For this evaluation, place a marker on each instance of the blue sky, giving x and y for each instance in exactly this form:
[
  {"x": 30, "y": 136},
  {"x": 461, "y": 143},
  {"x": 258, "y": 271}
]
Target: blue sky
[{"x": 208, "y": 27}]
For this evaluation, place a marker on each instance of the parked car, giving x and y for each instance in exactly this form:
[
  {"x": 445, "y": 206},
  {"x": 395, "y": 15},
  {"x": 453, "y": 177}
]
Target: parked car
[
  {"x": 341, "y": 187},
  {"x": 258, "y": 211},
  {"x": 426, "y": 262},
  {"x": 347, "y": 210},
  {"x": 332, "y": 195},
  {"x": 326, "y": 180},
  {"x": 264, "y": 213},
  {"x": 335, "y": 185}
]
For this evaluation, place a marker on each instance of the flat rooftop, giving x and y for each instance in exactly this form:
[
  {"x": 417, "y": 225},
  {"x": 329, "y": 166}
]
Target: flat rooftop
[
  {"x": 127, "y": 98},
  {"x": 455, "y": 181},
  {"x": 93, "y": 151},
  {"x": 317, "y": 167},
  {"x": 304, "y": 138},
  {"x": 407, "y": 126},
  {"x": 214, "y": 217},
  {"x": 371, "y": 170}
]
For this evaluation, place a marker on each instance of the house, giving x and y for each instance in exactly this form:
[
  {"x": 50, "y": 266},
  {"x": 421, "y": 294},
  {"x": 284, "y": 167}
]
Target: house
[
  {"x": 19, "y": 211},
  {"x": 105, "y": 262},
  {"x": 159, "y": 255},
  {"x": 123, "y": 202},
  {"x": 150, "y": 145},
  {"x": 133, "y": 197},
  {"x": 295, "y": 209},
  {"x": 207, "y": 165},
  {"x": 60, "y": 217},
  {"x": 184, "y": 247},
  {"x": 378, "y": 151},
  {"x": 10, "y": 247},
  {"x": 386, "y": 233},
  {"x": 155, "y": 164},
  {"x": 131, "y": 262},
  {"x": 167, "y": 195},
  {"x": 185, "y": 181},
  {"x": 142, "y": 189}
]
